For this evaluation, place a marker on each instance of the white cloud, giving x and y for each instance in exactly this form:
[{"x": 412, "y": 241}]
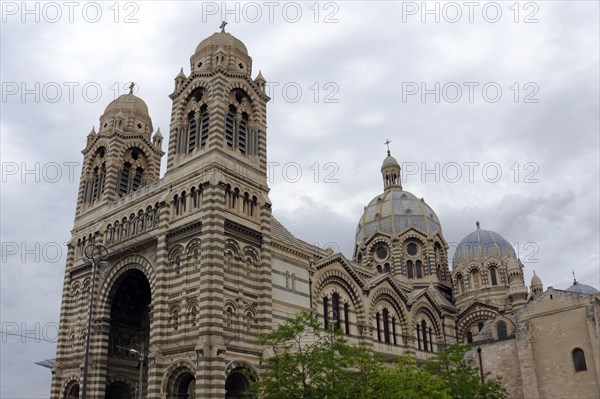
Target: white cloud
[{"x": 369, "y": 53}]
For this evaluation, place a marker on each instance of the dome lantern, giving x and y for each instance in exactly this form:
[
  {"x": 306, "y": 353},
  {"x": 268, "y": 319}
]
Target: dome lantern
[{"x": 390, "y": 171}]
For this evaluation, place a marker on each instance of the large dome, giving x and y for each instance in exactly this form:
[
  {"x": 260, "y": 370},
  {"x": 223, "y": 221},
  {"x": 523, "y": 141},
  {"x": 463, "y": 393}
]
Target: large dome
[
  {"x": 127, "y": 103},
  {"x": 221, "y": 50},
  {"x": 395, "y": 211},
  {"x": 481, "y": 245},
  {"x": 582, "y": 288},
  {"x": 134, "y": 111},
  {"x": 222, "y": 39}
]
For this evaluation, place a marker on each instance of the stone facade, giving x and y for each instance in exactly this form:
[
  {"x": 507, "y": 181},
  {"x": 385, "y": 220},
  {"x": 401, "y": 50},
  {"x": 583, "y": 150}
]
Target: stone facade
[{"x": 198, "y": 266}]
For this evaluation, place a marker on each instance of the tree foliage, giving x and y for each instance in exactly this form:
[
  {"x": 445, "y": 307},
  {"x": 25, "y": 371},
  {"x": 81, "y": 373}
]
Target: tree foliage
[
  {"x": 308, "y": 362},
  {"x": 462, "y": 377},
  {"x": 312, "y": 363}
]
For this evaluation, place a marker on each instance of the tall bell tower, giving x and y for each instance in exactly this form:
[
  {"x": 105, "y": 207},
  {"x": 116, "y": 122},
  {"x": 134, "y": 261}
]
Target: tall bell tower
[
  {"x": 188, "y": 272},
  {"x": 122, "y": 156}
]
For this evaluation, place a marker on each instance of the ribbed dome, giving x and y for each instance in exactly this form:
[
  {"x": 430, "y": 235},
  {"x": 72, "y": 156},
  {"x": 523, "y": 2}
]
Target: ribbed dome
[
  {"x": 481, "y": 245},
  {"x": 395, "y": 211},
  {"x": 582, "y": 288},
  {"x": 134, "y": 112},
  {"x": 536, "y": 280},
  {"x": 389, "y": 161},
  {"x": 222, "y": 39}
]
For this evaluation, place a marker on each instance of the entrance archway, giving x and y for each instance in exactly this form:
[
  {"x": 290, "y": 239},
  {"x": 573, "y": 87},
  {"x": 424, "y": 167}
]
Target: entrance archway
[
  {"x": 72, "y": 392},
  {"x": 237, "y": 385},
  {"x": 118, "y": 390},
  {"x": 182, "y": 384},
  {"x": 130, "y": 298}
]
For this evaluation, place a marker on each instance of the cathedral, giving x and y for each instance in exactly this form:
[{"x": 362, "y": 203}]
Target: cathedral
[{"x": 196, "y": 266}]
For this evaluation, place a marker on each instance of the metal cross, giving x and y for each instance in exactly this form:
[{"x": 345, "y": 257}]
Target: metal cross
[
  {"x": 222, "y": 27},
  {"x": 387, "y": 142},
  {"x": 131, "y": 86}
]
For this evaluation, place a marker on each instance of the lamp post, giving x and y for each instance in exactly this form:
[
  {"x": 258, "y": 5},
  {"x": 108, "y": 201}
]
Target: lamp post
[
  {"x": 142, "y": 357},
  {"x": 95, "y": 255},
  {"x": 480, "y": 364}
]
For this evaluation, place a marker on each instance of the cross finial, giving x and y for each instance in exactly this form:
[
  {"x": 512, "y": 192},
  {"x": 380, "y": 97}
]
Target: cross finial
[
  {"x": 222, "y": 27},
  {"x": 574, "y": 279},
  {"x": 131, "y": 86},
  {"x": 477, "y": 224},
  {"x": 387, "y": 142}
]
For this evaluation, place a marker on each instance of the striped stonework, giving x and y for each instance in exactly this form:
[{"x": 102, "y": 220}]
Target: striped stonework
[{"x": 198, "y": 266}]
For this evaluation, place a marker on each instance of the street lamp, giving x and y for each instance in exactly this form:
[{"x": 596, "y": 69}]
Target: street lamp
[
  {"x": 142, "y": 357},
  {"x": 95, "y": 254},
  {"x": 480, "y": 364}
]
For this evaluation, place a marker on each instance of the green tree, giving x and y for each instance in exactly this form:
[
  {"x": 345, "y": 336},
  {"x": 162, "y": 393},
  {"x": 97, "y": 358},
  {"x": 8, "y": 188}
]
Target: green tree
[
  {"x": 406, "y": 380},
  {"x": 308, "y": 362},
  {"x": 312, "y": 363},
  {"x": 462, "y": 378}
]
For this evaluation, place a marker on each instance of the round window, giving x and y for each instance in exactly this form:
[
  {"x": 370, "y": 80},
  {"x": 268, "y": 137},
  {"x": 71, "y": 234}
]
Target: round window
[
  {"x": 412, "y": 248},
  {"x": 381, "y": 252}
]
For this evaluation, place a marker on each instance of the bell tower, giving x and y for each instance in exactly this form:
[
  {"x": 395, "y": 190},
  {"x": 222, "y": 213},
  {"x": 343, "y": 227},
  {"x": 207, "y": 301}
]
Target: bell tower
[
  {"x": 218, "y": 205},
  {"x": 219, "y": 110},
  {"x": 122, "y": 156}
]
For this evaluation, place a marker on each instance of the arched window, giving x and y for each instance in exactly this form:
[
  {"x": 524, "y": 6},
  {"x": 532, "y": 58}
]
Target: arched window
[
  {"x": 493, "y": 276},
  {"x": 98, "y": 182},
  {"x": 378, "y": 320},
  {"x": 241, "y": 133},
  {"x": 229, "y": 126},
  {"x": 461, "y": 284},
  {"x": 501, "y": 330},
  {"x": 419, "y": 268},
  {"x": 204, "y": 120},
  {"x": 124, "y": 179},
  {"x": 387, "y": 268},
  {"x": 394, "y": 330},
  {"x": 335, "y": 306},
  {"x": 193, "y": 131},
  {"x": 386, "y": 326},
  {"x": 579, "y": 360},
  {"x": 347, "y": 318},
  {"x": 475, "y": 279},
  {"x": 424, "y": 334},
  {"x": 379, "y": 269},
  {"x": 409, "y": 269},
  {"x": 325, "y": 312},
  {"x": 469, "y": 337}
]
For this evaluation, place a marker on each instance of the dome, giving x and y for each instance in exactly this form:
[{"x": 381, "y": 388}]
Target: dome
[
  {"x": 581, "y": 288},
  {"x": 127, "y": 103},
  {"x": 134, "y": 112},
  {"x": 221, "y": 50},
  {"x": 222, "y": 39},
  {"x": 395, "y": 211},
  {"x": 535, "y": 280},
  {"x": 480, "y": 245},
  {"x": 389, "y": 161}
]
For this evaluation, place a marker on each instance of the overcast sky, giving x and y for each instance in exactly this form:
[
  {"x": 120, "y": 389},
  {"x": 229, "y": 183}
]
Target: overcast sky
[{"x": 492, "y": 111}]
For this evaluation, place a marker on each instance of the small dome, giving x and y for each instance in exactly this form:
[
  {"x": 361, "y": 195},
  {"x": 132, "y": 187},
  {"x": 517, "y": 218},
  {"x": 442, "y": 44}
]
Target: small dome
[
  {"x": 389, "y": 161},
  {"x": 395, "y": 211},
  {"x": 480, "y": 245},
  {"x": 133, "y": 110},
  {"x": 127, "y": 103},
  {"x": 536, "y": 280},
  {"x": 222, "y": 39},
  {"x": 582, "y": 288}
]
